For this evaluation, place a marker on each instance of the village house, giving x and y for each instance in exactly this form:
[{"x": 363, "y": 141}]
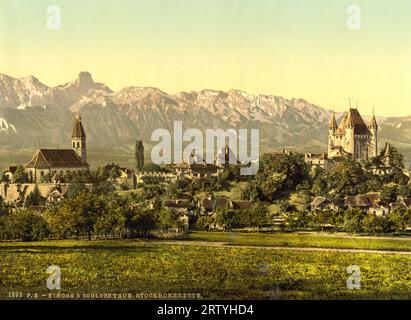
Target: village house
[
  {"x": 183, "y": 207},
  {"x": 195, "y": 170},
  {"x": 126, "y": 176},
  {"x": 370, "y": 202},
  {"x": 323, "y": 204},
  {"x": 208, "y": 206},
  {"x": 8, "y": 174}
]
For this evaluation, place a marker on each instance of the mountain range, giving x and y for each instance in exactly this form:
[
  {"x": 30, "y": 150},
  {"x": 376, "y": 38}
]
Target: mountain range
[{"x": 33, "y": 114}]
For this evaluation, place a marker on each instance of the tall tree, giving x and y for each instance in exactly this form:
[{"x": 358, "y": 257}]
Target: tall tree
[{"x": 139, "y": 153}]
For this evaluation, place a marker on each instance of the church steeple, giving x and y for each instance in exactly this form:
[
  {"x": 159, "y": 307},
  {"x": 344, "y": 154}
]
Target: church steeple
[{"x": 78, "y": 138}]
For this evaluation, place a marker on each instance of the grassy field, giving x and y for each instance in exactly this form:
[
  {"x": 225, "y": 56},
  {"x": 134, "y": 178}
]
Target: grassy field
[
  {"x": 311, "y": 240},
  {"x": 214, "y": 272}
]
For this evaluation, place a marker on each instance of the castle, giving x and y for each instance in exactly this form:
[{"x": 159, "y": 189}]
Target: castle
[{"x": 351, "y": 139}]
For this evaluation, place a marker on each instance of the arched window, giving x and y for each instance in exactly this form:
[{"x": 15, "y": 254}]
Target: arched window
[
  {"x": 41, "y": 173},
  {"x": 78, "y": 144},
  {"x": 74, "y": 144}
]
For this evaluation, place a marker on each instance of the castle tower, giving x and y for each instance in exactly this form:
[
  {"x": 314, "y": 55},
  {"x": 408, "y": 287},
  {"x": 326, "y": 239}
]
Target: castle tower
[
  {"x": 332, "y": 128},
  {"x": 373, "y": 127},
  {"x": 78, "y": 139},
  {"x": 350, "y": 143}
]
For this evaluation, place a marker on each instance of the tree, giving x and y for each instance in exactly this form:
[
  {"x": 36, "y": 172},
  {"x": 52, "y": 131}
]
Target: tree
[
  {"x": 229, "y": 218},
  {"x": 34, "y": 198},
  {"x": 281, "y": 174},
  {"x": 250, "y": 191},
  {"x": 373, "y": 223},
  {"x": 143, "y": 221},
  {"x": 20, "y": 175},
  {"x": 75, "y": 188},
  {"x": 400, "y": 219},
  {"x": 320, "y": 218},
  {"x": 404, "y": 191},
  {"x": 112, "y": 218},
  {"x": 139, "y": 154},
  {"x": 396, "y": 157},
  {"x": 353, "y": 220},
  {"x": 76, "y": 217},
  {"x": 168, "y": 219},
  {"x": 259, "y": 215},
  {"x": 390, "y": 192},
  {"x": 27, "y": 226}
]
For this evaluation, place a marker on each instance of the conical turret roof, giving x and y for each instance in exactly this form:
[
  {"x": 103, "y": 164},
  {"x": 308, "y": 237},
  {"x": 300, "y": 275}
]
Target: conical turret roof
[{"x": 333, "y": 123}]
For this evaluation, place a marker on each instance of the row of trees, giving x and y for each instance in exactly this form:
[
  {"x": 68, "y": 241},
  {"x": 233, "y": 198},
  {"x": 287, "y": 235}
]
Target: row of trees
[
  {"x": 87, "y": 215},
  {"x": 352, "y": 221}
]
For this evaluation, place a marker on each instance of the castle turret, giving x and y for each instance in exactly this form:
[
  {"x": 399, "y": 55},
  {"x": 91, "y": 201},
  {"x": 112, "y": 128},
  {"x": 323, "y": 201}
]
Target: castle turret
[
  {"x": 373, "y": 127},
  {"x": 332, "y": 128},
  {"x": 79, "y": 139}
]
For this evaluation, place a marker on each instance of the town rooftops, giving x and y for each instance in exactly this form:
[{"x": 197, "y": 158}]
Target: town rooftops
[
  {"x": 56, "y": 158},
  {"x": 195, "y": 166}
]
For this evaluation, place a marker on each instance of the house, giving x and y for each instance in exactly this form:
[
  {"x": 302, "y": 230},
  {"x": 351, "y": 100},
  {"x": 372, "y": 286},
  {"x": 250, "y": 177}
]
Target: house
[
  {"x": 195, "y": 170},
  {"x": 319, "y": 160},
  {"x": 370, "y": 202},
  {"x": 126, "y": 176},
  {"x": 9, "y": 173},
  {"x": 323, "y": 204},
  {"x": 184, "y": 209},
  {"x": 208, "y": 206}
]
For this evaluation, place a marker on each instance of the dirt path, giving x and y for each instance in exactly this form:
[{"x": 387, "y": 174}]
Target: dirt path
[{"x": 227, "y": 245}]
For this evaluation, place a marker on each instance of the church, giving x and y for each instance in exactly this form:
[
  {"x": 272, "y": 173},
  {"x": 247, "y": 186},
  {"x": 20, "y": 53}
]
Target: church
[
  {"x": 52, "y": 161},
  {"x": 352, "y": 138}
]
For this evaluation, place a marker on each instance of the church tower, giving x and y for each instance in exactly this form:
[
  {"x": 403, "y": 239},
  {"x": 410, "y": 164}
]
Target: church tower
[{"x": 78, "y": 139}]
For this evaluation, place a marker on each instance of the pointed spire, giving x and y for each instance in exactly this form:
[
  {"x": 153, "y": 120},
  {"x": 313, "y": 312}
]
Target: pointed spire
[
  {"x": 373, "y": 122},
  {"x": 333, "y": 123},
  {"x": 78, "y": 130}
]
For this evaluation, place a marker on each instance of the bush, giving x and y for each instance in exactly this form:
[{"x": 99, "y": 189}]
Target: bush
[{"x": 24, "y": 225}]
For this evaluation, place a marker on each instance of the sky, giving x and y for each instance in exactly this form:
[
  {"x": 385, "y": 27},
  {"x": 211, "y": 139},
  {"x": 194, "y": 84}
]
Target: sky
[{"x": 292, "y": 48}]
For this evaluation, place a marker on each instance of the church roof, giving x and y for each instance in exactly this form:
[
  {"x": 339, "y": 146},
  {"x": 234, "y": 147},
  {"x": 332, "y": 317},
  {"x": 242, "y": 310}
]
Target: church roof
[
  {"x": 78, "y": 130},
  {"x": 354, "y": 120},
  {"x": 56, "y": 158}
]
